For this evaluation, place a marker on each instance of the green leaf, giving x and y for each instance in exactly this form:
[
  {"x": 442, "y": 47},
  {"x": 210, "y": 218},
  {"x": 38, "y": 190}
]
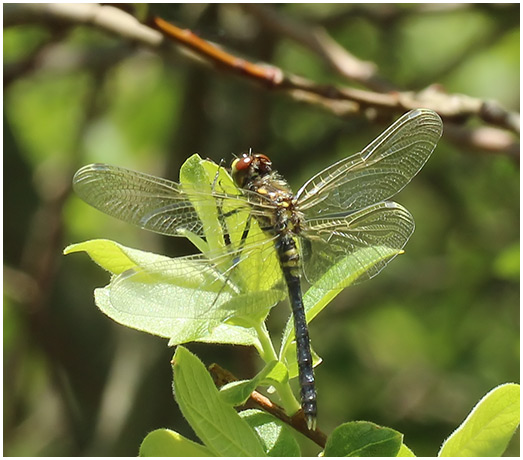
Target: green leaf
[
  {"x": 193, "y": 176},
  {"x": 277, "y": 438},
  {"x": 166, "y": 299},
  {"x": 276, "y": 373},
  {"x": 193, "y": 298},
  {"x": 216, "y": 423},
  {"x": 363, "y": 439},
  {"x": 112, "y": 256},
  {"x": 167, "y": 443},
  {"x": 142, "y": 307},
  {"x": 197, "y": 176},
  {"x": 489, "y": 427},
  {"x": 236, "y": 393}
]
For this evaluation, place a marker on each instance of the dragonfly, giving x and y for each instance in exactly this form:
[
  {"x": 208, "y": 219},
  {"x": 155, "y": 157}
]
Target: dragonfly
[{"x": 272, "y": 240}]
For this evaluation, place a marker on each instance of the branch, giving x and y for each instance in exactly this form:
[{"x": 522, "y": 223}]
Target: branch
[
  {"x": 344, "y": 101},
  {"x": 269, "y": 75},
  {"x": 222, "y": 376},
  {"x": 338, "y": 100},
  {"x": 106, "y": 18}
]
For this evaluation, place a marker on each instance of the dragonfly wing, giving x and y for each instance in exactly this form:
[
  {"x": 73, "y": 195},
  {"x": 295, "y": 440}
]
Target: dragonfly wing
[
  {"x": 155, "y": 204},
  {"x": 188, "y": 297},
  {"x": 140, "y": 199},
  {"x": 343, "y": 250},
  {"x": 376, "y": 173}
]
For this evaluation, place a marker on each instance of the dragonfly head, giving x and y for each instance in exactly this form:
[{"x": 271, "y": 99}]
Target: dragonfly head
[{"x": 250, "y": 166}]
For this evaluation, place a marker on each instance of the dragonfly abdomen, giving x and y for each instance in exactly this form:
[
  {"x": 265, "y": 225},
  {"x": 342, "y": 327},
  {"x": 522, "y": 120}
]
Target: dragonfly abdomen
[{"x": 290, "y": 266}]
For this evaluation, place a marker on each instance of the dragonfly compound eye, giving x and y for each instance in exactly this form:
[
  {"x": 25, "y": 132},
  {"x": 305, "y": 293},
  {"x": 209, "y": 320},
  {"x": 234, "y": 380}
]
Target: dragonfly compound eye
[{"x": 240, "y": 169}]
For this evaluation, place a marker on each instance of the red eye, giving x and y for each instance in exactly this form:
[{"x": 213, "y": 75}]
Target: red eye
[{"x": 243, "y": 163}]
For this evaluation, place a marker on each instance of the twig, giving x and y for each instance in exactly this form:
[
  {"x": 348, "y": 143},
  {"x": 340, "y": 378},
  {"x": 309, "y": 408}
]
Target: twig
[
  {"x": 106, "y": 18},
  {"x": 344, "y": 101},
  {"x": 272, "y": 76},
  {"x": 222, "y": 376}
]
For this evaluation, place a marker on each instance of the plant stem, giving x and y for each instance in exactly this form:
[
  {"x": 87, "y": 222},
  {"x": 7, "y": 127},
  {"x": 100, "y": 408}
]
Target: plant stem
[{"x": 268, "y": 354}]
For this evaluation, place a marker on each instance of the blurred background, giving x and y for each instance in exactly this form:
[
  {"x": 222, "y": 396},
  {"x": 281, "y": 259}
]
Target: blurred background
[{"x": 413, "y": 349}]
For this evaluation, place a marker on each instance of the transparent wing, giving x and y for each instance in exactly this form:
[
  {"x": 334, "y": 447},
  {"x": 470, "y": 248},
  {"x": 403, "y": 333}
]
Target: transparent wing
[
  {"x": 156, "y": 204},
  {"x": 342, "y": 250},
  {"x": 376, "y": 173},
  {"x": 188, "y": 296}
]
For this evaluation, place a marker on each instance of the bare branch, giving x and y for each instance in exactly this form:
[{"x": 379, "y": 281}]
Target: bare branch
[{"x": 107, "y": 18}]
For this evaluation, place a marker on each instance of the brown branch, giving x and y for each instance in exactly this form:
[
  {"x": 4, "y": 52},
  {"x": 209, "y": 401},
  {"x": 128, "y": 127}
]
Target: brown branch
[
  {"x": 222, "y": 376},
  {"x": 341, "y": 101},
  {"x": 272, "y": 76},
  {"x": 344, "y": 101}
]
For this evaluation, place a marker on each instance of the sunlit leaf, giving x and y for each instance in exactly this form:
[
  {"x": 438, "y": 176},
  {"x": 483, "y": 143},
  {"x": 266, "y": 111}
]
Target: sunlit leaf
[
  {"x": 343, "y": 274},
  {"x": 215, "y": 422},
  {"x": 488, "y": 429},
  {"x": 277, "y": 437},
  {"x": 168, "y": 443},
  {"x": 363, "y": 439}
]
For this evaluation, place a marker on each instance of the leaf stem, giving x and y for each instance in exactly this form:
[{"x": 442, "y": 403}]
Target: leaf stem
[{"x": 268, "y": 354}]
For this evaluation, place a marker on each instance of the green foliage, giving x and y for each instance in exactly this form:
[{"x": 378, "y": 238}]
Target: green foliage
[
  {"x": 506, "y": 265},
  {"x": 164, "y": 281},
  {"x": 238, "y": 392},
  {"x": 159, "y": 300},
  {"x": 485, "y": 432},
  {"x": 215, "y": 422},
  {"x": 277, "y": 438},
  {"x": 223, "y": 431},
  {"x": 316, "y": 298}
]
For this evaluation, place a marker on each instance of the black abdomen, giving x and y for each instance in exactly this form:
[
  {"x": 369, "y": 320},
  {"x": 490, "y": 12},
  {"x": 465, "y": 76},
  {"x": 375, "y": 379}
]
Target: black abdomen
[{"x": 289, "y": 262}]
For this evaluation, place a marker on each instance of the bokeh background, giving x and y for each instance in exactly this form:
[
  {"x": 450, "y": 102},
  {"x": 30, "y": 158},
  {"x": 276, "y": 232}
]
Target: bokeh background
[{"x": 413, "y": 349}]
